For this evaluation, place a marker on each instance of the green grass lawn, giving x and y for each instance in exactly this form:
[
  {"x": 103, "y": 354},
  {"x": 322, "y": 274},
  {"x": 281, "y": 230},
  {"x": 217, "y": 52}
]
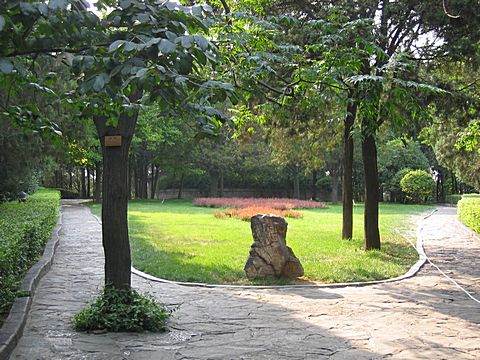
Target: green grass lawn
[{"x": 177, "y": 241}]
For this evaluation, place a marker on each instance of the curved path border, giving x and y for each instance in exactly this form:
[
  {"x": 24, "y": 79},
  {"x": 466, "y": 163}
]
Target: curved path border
[
  {"x": 13, "y": 326},
  {"x": 425, "y": 316},
  {"x": 12, "y": 329},
  {"x": 422, "y": 258}
]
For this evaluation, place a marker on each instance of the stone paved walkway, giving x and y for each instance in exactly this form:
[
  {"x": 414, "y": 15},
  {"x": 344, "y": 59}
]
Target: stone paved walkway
[{"x": 425, "y": 317}]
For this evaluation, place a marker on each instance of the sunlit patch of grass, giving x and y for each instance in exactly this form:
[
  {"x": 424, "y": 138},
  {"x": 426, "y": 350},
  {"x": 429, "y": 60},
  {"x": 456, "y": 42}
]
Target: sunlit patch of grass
[{"x": 178, "y": 241}]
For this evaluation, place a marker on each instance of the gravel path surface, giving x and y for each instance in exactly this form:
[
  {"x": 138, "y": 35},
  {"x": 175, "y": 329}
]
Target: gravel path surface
[{"x": 424, "y": 317}]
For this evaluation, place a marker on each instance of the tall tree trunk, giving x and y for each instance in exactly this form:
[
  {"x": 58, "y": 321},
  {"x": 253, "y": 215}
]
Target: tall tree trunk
[
  {"x": 314, "y": 184},
  {"x": 152, "y": 180},
  {"x": 140, "y": 174},
  {"x": 155, "y": 173},
  {"x": 88, "y": 183},
  {"x": 347, "y": 183},
  {"x": 98, "y": 182},
  {"x": 296, "y": 183},
  {"x": 83, "y": 189},
  {"x": 180, "y": 188},
  {"x": 115, "y": 199},
  {"x": 369, "y": 155},
  {"x": 136, "y": 179},
  {"x": 144, "y": 184}
]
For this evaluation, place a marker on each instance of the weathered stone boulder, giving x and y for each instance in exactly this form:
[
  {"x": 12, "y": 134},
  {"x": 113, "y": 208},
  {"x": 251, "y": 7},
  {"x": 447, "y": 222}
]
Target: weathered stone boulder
[{"x": 269, "y": 254}]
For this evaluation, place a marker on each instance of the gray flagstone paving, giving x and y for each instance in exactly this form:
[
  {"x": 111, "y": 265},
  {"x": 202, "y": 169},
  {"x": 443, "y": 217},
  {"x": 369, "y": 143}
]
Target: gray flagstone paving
[{"x": 424, "y": 317}]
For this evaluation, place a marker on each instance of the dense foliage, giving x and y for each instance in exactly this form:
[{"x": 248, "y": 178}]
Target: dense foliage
[
  {"x": 418, "y": 185},
  {"x": 468, "y": 209},
  {"x": 393, "y": 157},
  {"x": 122, "y": 311},
  {"x": 25, "y": 227}
]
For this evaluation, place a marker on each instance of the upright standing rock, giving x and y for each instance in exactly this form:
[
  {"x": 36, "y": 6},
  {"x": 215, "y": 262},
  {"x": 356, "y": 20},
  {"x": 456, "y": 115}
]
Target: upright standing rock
[{"x": 269, "y": 254}]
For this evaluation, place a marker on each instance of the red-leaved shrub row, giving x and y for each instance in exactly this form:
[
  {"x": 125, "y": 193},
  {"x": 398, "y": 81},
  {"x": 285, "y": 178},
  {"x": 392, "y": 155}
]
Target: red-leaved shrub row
[
  {"x": 245, "y": 214},
  {"x": 272, "y": 203}
]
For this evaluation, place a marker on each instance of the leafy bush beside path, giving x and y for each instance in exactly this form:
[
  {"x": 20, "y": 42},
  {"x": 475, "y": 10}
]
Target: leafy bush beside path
[
  {"x": 25, "y": 228},
  {"x": 468, "y": 209}
]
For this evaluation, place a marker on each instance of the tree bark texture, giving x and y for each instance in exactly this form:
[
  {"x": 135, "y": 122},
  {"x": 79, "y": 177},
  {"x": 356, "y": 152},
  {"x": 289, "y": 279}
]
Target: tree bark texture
[
  {"x": 369, "y": 155},
  {"x": 98, "y": 182},
  {"x": 135, "y": 180},
  {"x": 83, "y": 187},
  {"x": 180, "y": 188},
  {"x": 142, "y": 172},
  {"x": 155, "y": 174},
  {"x": 115, "y": 200},
  {"x": 347, "y": 183},
  {"x": 88, "y": 183}
]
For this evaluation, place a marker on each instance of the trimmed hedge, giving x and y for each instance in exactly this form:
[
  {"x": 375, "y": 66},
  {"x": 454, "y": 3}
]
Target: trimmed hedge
[
  {"x": 25, "y": 228},
  {"x": 468, "y": 210},
  {"x": 470, "y": 196},
  {"x": 452, "y": 199},
  {"x": 68, "y": 194}
]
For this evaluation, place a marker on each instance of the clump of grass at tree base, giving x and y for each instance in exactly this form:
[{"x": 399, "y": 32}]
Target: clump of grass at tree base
[
  {"x": 122, "y": 310},
  {"x": 25, "y": 228},
  {"x": 177, "y": 241}
]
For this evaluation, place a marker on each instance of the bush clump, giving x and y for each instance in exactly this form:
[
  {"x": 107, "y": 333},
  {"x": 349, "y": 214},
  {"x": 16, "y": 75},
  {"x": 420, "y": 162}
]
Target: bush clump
[
  {"x": 69, "y": 194},
  {"x": 418, "y": 185},
  {"x": 452, "y": 199},
  {"x": 25, "y": 228},
  {"x": 468, "y": 210},
  {"x": 122, "y": 310}
]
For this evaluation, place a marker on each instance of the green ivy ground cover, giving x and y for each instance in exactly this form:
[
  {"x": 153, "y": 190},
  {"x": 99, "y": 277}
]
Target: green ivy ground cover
[{"x": 25, "y": 228}]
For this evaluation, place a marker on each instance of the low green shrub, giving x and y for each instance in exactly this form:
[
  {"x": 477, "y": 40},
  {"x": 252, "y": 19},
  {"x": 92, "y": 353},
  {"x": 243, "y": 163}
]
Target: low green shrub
[
  {"x": 25, "y": 228},
  {"x": 468, "y": 210},
  {"x": 69, "y": 194},
  {"x": 418, "y": 185},
  {"x": 452, "y": 199},
  {"x": 122, "y": 310},
  {"x": 471, "y": 196}
]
